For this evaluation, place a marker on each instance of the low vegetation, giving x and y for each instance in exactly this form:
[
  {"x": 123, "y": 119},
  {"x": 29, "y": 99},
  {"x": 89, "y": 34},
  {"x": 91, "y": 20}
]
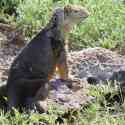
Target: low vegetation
[
  {"x": 94, "y": 113},
  {"x": 105, "y": 27}
]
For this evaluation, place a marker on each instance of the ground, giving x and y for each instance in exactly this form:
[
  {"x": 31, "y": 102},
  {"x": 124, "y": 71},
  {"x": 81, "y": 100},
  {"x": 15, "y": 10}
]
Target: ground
[{"x": 98, "y": 63}]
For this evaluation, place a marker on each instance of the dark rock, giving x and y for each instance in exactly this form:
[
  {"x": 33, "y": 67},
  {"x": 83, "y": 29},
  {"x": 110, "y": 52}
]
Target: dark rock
[
  {"x": 118, "y": 76},
  {"x": 93, "y": 80}
]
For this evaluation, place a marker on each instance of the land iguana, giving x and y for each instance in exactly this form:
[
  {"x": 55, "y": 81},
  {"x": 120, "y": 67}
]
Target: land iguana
[{"x": 32, "y": 69}]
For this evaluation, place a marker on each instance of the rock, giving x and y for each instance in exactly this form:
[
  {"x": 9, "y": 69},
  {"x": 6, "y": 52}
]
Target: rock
[
  {"x": 96, "y": 65},
  {"x": 118, "y": 76},
  {"x": 10, "y": 34},
  {"x": 68, "y": 97}
]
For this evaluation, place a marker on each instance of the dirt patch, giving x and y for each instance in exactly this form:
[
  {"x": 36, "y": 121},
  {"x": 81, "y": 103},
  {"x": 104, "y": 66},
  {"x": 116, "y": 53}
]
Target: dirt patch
[{"x": 98, "y": 63}]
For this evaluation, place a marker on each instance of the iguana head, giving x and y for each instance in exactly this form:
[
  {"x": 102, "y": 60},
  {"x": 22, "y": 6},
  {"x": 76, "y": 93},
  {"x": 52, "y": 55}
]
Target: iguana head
[
  {"x": 70, "y": 15},
  {"x": 64, "y": 18}
]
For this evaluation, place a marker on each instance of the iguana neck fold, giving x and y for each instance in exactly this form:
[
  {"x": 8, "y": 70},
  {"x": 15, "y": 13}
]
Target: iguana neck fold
[{"x": 55, "y": 25}]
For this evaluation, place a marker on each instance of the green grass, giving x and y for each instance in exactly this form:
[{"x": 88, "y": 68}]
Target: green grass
[
  {"x": 105, "y": 27},
  {"x": 94, "y": 113}
]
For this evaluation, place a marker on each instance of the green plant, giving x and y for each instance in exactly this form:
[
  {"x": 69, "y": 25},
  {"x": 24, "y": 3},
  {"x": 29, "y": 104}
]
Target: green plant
[
  {"x": 9, "y": 6},
  {"x": 33, "y": 14},
  {"x": 106, "y": 23}
]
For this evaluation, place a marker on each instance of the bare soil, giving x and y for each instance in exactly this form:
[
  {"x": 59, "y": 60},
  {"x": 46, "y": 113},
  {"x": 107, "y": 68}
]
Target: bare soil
[{"x": 99, "y": 63}]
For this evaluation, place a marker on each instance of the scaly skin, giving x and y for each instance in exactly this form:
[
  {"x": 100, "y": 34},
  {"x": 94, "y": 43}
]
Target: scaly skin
[
  {"x": 68, "y": 16},
  {"x": 32, "y": 69}
]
